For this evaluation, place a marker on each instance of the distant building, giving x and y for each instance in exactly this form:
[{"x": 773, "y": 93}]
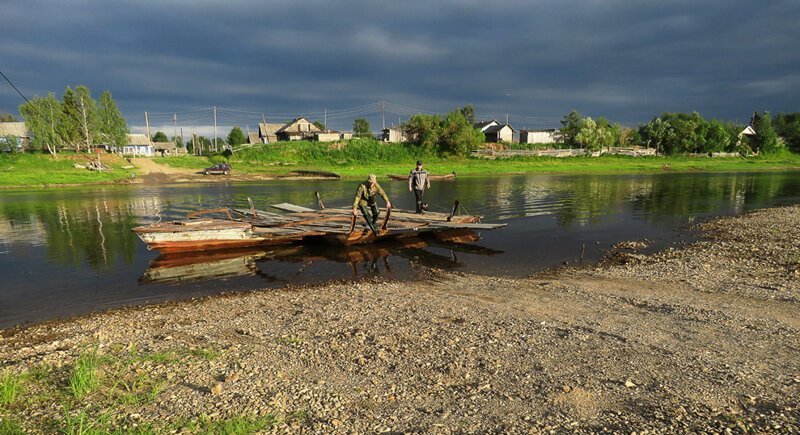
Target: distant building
[
  {"x": 327, "y": 136},
  {"x": 14, "y": 135},
  {"x": 266, "y": 132},
  {"x": 138, "y": 145},
  {"x": 499, "y": 133},
  {"x": 253, "y": 138},
  {"x": 167, "y": 149},
  {"x": 551, "y": 135},
  {"x": 346, "y": 135},
  {"x": 395, "y": 134},
  {"x": 298, "y": 129},
  {"x": 483, "y": 125}
]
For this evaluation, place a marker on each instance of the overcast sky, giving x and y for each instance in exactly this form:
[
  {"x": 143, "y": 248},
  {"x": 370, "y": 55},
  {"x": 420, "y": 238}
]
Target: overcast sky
[{"x": 534, "y": 60}]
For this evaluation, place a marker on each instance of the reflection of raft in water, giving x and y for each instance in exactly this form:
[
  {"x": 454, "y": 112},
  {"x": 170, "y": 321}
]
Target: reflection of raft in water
[
  {"x": 180, "y": 267},
  {"x": 333, "y": 225}
]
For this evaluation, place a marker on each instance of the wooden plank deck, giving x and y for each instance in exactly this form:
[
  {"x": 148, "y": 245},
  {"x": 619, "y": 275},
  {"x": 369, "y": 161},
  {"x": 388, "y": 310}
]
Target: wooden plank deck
[{"x": 335, "y": 225}]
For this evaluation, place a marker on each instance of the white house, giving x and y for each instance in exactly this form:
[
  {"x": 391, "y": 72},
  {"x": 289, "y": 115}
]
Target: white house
[{"x": 139, "y": 145}]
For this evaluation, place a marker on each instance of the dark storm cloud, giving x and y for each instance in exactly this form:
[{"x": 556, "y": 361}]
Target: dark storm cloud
[{"x": 626, "y": 60}]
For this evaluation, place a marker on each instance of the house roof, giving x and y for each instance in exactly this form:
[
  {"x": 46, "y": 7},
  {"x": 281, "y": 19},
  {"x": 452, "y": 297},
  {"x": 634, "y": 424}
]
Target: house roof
[
  {"x": 394, "y": 127},
  {"x": 252, "y": 137},
  {"x": 138, "y": 139},
  {"x": 266, "y": 129},
  {"x": 166, "y": 146},
  {"x": 482, "y": 125},
  {"x": 496, "y": 128},
  {"x": 748, "y": 131},
  {"x": 293, "y": 126},
  {"x": 13, "y": 129}
]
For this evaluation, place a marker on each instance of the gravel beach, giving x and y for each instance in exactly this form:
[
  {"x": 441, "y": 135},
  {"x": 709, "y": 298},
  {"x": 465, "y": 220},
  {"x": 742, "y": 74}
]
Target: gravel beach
[{"x": 701, "y": 338}]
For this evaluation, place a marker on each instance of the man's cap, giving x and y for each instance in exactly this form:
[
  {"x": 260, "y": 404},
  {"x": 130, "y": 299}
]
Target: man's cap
[
  {"x": 372, "y": 178},
  {"x": 419, "y": 162}
]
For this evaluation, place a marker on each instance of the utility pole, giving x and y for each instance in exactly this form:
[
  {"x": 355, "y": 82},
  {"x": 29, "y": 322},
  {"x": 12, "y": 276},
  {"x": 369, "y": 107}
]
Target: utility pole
[
  {"x": 147, "y": 127},
  {"x": 266, "y": 137},
  {"x": 182, "y": 142},
  {"x": 175, "y": 129},
  {"x": 325, "y": 120},
  {"x": 383, "y": 117},
  {"x": 215, "y": 130},
  {"x": 506, "y": 118}
]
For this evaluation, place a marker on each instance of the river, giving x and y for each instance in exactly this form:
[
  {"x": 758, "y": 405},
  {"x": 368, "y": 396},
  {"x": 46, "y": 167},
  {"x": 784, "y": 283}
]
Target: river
[{"x": 70, "y": 251}]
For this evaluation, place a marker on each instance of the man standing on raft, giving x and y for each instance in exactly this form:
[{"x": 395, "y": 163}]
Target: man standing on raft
[
  {"x": 365, "y": 197},
  {"x": 417, "y": 181}
]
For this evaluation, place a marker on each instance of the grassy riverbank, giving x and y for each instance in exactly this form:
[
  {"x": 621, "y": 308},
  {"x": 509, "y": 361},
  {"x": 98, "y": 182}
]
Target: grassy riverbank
[
  {"x": 624, "y": 346},
  {"x": 360, "y": 158},
  {"x": 22, "y": 169}
]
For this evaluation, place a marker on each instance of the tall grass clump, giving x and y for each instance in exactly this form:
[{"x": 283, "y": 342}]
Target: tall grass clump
[
  {"x": 10, "y": 386},
  {"x": 84, "y": 379}
]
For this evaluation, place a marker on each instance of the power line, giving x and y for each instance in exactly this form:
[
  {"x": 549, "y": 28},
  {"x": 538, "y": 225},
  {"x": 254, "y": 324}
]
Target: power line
[{"x": 15, "y": 88}]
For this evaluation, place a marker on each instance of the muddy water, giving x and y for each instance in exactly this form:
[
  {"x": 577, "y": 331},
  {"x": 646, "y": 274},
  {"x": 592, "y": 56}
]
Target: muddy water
[{"x": 71, "y": 251}]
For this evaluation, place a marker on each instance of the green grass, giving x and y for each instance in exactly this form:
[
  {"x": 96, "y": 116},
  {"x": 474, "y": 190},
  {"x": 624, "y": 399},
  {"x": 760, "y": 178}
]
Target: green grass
[
  {"x": 10, "y": 387},
  {"x": 359, "y": 158},
  {"x": 96, "y": 393},
  {"x": 27, "y": 169},
  {"x": 84, "y": 377},
  {"x": 232, "y": 426}
]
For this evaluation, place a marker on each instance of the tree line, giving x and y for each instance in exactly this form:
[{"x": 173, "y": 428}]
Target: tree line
[
  {"x": 681, "y": 133},
  {"x": 76, "y": 121}
]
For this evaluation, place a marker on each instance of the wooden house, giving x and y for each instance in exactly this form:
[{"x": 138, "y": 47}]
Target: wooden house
[
  {"x": 327, "y": 136},
  {"x": 499, "y": 133},
  {"x": 164, "y": 149},
  {"x": 298, "y": 129},
  {"x": 551, "y": 135},
  {"x": 483, "y": 125},
  {"x": 395, "y": 134},
  {"x": 266, "y": 132},
  {"x": 14, "y": 135},
  {"x": 139, "y": 145}
]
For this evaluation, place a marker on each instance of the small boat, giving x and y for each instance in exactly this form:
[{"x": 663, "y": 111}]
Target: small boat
[
  {"x": 446, "y": 177},
  {"x": 314, "y": 175},
  {"x": 337, "y": 226}
]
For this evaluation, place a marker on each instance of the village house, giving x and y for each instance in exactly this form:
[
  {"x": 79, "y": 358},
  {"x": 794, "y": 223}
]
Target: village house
[
  {"x": 266, "y": 132},
  {"x": 499, "y": 133},
  {"x": 394, "y": 134},
  {"x": 551, "y": 135},
  {"x": 253, "y": 138},
  {"x": 298, "y": 129},
  {"x": 326, "y": 136},
  {"x": 14, "y": 136},
  {"x": 483, "y": 125},
  {"x": 139, "y": 145},
  {"x": 165, "y": 149}
]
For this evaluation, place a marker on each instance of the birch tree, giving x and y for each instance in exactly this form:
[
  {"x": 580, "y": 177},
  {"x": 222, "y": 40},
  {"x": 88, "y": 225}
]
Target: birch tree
[{"x": 43, "y": 118}]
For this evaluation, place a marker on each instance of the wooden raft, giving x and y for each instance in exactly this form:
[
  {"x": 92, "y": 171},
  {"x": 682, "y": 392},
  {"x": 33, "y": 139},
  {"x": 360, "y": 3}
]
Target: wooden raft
[{"x": 251, "y": 227}]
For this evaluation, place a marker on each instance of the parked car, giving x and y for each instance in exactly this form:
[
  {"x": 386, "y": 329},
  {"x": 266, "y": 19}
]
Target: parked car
[{"x": 219, "y": 168}]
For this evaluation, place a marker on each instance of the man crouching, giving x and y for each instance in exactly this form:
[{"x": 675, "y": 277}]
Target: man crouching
[{"x": 365, "y": 197}]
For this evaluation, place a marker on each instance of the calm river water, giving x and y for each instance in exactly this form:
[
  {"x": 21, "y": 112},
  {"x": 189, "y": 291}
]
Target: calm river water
[{"x": 71, "y": 251}]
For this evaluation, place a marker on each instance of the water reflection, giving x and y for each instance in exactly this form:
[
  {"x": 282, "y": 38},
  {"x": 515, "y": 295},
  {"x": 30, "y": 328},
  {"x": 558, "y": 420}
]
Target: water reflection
[
  {"x": 65, "y": 251},
  {"x": 176, "y": 268}
]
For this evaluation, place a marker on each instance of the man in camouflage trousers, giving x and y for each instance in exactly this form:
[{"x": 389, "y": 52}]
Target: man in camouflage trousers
[{"x": 365, "y": 197}]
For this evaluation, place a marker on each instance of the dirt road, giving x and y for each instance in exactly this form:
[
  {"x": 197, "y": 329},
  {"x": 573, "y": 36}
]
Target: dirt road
[{"x": 700, "y": 339}]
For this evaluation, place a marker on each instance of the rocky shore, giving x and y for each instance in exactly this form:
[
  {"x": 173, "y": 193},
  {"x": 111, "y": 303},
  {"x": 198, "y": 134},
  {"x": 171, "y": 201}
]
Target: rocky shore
[{"x": 703, "y": 338}]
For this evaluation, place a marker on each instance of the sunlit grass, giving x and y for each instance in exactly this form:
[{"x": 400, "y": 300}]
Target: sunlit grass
[
  {"x": 10, "y": 387},
  {"x": 84, "y": 377}
]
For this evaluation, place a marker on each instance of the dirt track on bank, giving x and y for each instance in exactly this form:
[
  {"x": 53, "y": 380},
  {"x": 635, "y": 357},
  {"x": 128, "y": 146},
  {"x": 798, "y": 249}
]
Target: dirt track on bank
[{"x": 702, "y": 338}]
